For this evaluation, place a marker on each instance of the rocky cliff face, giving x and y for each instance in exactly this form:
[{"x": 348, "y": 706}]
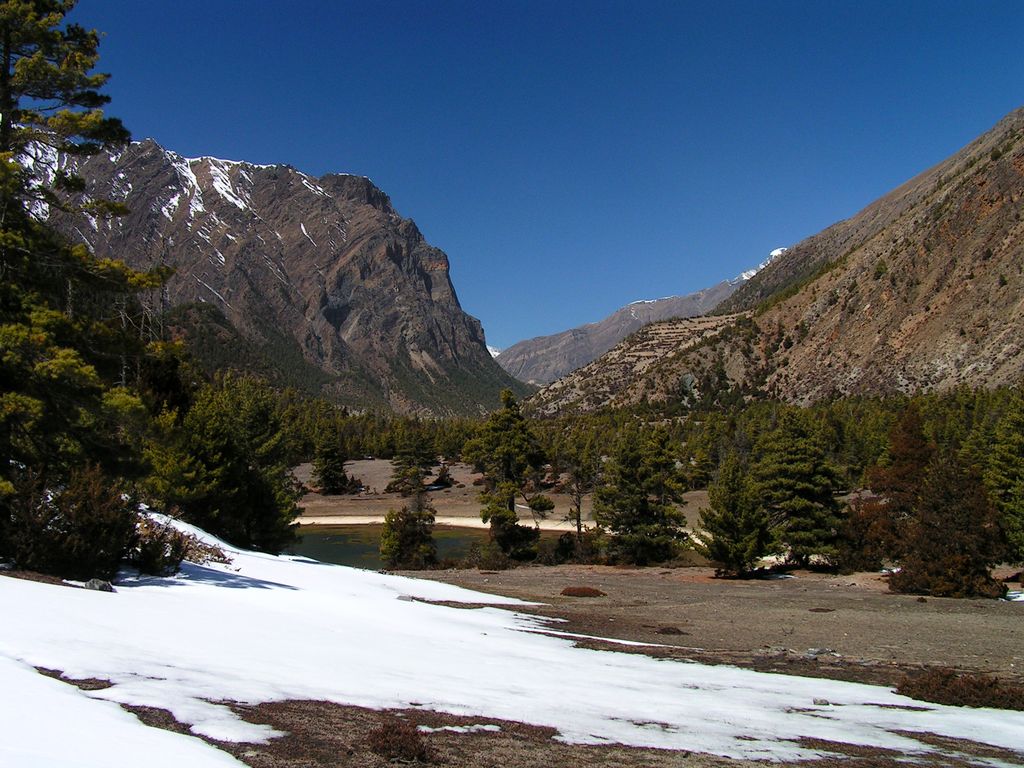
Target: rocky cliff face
[
  {"x": 322, "y": 272},
  {"x": 922, "y": 290},
  {"x": 545, "y": 359}
]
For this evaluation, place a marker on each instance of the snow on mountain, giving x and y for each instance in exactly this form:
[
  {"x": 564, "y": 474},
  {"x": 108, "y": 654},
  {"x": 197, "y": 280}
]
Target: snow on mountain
[
  {"x": 228, "y": 633},
  {"x": 493, "y": 350},
  {"x": 746, "y": 275}
]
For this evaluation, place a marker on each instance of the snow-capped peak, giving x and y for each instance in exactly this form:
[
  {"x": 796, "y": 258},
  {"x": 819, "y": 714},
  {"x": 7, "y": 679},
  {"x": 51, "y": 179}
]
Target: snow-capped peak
[
  {"x": 742, "y": 277},
  {"x": 493, "y": 350}
]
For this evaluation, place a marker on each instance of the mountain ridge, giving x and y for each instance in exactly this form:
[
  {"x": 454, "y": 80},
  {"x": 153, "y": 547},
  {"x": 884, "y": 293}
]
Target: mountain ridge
[
  {"x": 324, "y": 264},
  {"x": 921, "y": 290},
  {"x": 545, "y": 359}
]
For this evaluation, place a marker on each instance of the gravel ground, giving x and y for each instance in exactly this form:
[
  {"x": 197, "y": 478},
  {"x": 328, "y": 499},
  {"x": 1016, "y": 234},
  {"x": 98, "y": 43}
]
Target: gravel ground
[{"x": 846, "y": 627}]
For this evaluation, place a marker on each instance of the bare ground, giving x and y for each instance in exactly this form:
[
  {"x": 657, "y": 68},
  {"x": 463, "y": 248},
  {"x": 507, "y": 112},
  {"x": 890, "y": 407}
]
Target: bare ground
[
  {"x": 845, "y": 627},
  {"x": 458, "y": 505}
]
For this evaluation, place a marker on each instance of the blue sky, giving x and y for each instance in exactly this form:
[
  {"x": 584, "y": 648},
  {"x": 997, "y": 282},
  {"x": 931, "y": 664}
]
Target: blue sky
[{"x": 571, "y": 157}]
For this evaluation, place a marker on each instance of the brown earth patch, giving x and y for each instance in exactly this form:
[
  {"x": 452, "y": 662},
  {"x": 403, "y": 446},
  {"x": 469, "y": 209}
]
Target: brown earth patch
[{"x": 847, "y": 627}]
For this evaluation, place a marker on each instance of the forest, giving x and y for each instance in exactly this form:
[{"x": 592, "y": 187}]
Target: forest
[{"x": 104, "y": 415}]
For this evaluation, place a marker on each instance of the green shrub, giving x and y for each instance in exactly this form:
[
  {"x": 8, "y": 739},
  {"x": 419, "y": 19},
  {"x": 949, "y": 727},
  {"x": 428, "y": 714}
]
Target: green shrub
[
  {"x": 407, "y": 540},
  {"x": 80, "y": 531}
]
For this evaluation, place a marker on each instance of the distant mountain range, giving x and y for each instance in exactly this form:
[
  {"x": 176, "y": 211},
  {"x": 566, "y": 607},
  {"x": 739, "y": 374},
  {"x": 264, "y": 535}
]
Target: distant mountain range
[
  {"x": 545, "y": 359},
  {"x": 315, "y": 282},
  {"x": 921, "y": 290}
]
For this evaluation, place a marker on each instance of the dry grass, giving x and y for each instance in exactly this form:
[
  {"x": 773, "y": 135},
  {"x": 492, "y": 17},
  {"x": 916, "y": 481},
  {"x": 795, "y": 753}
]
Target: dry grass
[
  {"x": 398, "y": 740},
  {"x": 960, "y": 689},
  {"x": 582, "y": 592}
]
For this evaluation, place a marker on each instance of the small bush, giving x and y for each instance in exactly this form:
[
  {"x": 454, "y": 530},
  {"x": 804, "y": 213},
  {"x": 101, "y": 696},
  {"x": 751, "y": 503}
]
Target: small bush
[
  {"x": 487, "y": 557},
  {"x": 582, "y": 592},
  {"x": 159, "y": 549},
  {"x": 398, "y": 740},
  {"x": 944, "y": 686},
  {"x": 80, "y": 531}
]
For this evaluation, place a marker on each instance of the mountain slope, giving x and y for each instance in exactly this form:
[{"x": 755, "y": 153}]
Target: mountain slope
[
  {"x": 922, "y": 290},
  {"x": 323, "y": 272},
  {"x": 544, "y": 359}
]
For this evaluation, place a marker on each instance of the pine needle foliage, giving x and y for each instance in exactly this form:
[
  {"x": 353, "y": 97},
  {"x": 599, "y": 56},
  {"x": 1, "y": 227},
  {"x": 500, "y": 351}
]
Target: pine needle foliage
[
  {"x": 637, "y": 500},
  {"x": 735, "y": 532},
  {"x": 1004, "y": 476},
  {"x": 795, "y": 482}
]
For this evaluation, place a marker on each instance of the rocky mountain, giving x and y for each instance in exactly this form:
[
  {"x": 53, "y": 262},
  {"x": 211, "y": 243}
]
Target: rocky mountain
[
  {"x": 619, "y": 377},
  {"x": 544, "y": 359},
  {"x": 317, "y": 279},
  {"x": 921, "y": 290}
]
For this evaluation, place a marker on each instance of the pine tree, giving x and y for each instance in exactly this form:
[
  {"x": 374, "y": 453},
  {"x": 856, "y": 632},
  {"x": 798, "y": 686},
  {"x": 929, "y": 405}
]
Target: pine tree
[
  {"x": 637, "y": 500},
  {"x": 796, "y": 485},
  {"x": 226, "y": 468},
  {"x": 507, "y": 452},
  {"x": 329, "y": 466},
  {"x": 578, "y": 455},
  {"x": 1004, "y": 476},
  {"x": 874, "y": 528},
  {"x": 66, "y": 363},
  {"x": 953, "y": 537},
  {"x": 899, "y": 478},
  {"x": 735, "y": 532},
  {"x": 407, "y": 539}
]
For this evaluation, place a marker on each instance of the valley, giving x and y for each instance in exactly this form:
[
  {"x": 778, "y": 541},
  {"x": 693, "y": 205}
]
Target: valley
[{"x": 775, "y": 520}]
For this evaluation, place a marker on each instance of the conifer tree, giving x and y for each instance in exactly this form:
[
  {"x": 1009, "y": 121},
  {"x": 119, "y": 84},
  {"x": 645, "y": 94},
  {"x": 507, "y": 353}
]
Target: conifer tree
[
  {"x": 407, "y": 540},
  {"x": 796, "y": 484},
  {"x": 578, "y": 455},
  {"x": 874, "y": 528},
  {"x": 507, "y": 452},
  {"x": 1004, "y": 476},
  {"x": 637, "y": 500},
  {"x": 329, "y": 466},
  {"x": 953, "y": 536},
  {"x": 226, "y": 469},
  {"x": 65, "y": 382},
  {"x": 735, "y": 531}
]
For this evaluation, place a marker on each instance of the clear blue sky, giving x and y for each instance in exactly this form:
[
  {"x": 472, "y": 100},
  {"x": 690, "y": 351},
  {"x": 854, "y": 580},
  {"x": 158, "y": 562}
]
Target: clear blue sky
[{"x": 571, "y": 157}]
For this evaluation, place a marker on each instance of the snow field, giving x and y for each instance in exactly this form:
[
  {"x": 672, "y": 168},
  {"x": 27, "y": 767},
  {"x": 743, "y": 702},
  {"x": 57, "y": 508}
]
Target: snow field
[
  {"x": 270, "y": 628},
  {"x": 50, "y": 724}
]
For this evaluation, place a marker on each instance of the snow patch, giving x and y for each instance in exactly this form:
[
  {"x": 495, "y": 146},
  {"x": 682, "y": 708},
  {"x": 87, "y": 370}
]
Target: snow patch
[
  {"x": 265, "y": 628},
  {"x": 493, "y": 350},
  {"x": 168, "y": 208},
  {"x": 50, "y": 723},
  {"x": 476, "y": 728},
  {"x": 222, "y": 184},
  {"x": 211, "y": 289},
  {"x": 302, "y": 226},
  {"x": 742, "y": 277},
  {"x": 314, "y": 188}
]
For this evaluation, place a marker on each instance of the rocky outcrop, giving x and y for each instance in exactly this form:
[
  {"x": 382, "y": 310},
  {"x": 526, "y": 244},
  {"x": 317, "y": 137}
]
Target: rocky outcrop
[{"x": 322, "y": 274}]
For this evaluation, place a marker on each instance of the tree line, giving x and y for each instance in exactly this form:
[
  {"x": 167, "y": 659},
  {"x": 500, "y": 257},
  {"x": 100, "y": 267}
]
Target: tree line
[{"x": 930, "y": 485}]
